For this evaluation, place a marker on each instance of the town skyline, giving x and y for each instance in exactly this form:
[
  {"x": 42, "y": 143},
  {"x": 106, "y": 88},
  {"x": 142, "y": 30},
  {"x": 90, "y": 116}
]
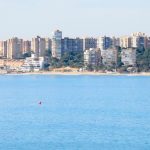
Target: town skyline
[
  {"x": 97, "y": 51},
  {"x": 65, "y": 36},
  {"x": 127, "y": 54}
]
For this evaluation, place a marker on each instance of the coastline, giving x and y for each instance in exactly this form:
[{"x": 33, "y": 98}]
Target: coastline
[{"x": 80, "y": 73}]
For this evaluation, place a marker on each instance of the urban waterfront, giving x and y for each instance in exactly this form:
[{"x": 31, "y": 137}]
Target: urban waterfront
[{"x": 77, "y": 112}]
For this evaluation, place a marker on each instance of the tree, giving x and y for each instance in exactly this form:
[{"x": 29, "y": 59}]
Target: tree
[
  {"x": 54, "y": 62},
  {"x": 72, "y": 59},
  {"x": 48, "y": 53},
  {"x": 27, "y": 54},
  {"x": 143, "y": 60}
]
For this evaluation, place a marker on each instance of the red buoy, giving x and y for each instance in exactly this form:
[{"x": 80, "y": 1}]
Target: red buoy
[{"x": 40, "y": 103}]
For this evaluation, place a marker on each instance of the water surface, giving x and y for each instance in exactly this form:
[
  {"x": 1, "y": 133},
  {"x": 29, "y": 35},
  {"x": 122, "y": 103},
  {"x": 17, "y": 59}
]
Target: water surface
[{"x": 77, "y": 113}]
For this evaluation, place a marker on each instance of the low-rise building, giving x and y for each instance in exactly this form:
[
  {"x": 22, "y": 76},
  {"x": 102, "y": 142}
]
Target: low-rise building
[
  {"x": 11, "y": 64},
  {"x": 128, "y": 57},
  {"x": 33, "y": 63}
]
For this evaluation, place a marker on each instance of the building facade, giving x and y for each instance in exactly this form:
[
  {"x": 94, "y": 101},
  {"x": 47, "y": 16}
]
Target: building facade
[
  {"x": 14, "y": 48},
  {"x": 57, "y": 44},
  {"x": 92, "y": 57},
  {"x": 35, "y": 45},
  {"x": 109, "y": 56},
  {"x": 115, "y": 42},
  {"x": 125, "y": 42},
  {"x": 71, "y": 45},
  {"x": 138, "y": 40},
  {"x": 26, "y": 46},
  {"x": 48, "y": 44},
  {"x": 147, "y": 44},
  {"x": 104, "y": 43},
  {"x": 3, "y": 49},
  {"x": 40, "y": 45},
  {"x": 128, "y": 57},
  {"x": 89, "y": 43},
  {"x": 33, "y": 63}
]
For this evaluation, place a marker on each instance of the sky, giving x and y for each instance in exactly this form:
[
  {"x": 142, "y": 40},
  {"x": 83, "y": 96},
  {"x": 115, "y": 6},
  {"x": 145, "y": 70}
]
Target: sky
[{"x": 75, "y": 18}]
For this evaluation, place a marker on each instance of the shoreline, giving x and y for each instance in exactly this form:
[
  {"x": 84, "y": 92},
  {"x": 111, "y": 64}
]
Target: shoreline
[{"x": 80, "y": 73}]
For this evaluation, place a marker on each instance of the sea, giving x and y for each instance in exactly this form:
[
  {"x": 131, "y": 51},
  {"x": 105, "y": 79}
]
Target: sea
[{"x": 56, "y": 112}]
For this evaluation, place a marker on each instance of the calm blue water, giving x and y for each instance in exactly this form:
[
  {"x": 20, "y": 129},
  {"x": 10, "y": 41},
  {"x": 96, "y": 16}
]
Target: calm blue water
[{"x": 78, "y": 113}]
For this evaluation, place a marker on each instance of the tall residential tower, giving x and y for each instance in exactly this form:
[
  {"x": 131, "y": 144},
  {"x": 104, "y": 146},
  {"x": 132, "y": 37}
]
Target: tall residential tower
[{"x": 56, "y": 44}]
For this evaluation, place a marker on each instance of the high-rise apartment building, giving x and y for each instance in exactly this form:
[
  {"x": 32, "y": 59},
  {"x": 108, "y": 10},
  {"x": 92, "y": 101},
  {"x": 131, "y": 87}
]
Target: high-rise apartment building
[
  {"x": 35, "y": 45},
  {"x": 78, "y": 44},
  {"x": 89, "y": 43},
  {"x": 39, "y": 46},
  {"x": 48, "y": 44},
  {"x": 26, "y": 46},
  {"x": 57, "y": 44},
  {"x": 42, "y": 47},
  {"x": 71, "y": 45},
  {"x": 104, "y": 43},
  {"x": 66, "y": 45},
  {"x": 14, "y": 48},
  {"x": 125, "y": 42},
  {"x": 3, "y": 49},
  {"x": 115, "y": 42},
  {"x": 138, "y": 40}
]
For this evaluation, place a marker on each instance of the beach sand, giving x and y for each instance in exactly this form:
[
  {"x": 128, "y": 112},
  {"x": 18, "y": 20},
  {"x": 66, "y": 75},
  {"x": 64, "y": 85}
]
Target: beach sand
[{"x": 82, "y": 73}]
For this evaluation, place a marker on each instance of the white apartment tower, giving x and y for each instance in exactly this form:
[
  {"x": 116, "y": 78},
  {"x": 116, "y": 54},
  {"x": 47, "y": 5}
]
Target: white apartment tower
[
  {"x": 56, "y": 44},
  {"x": 125, "y": 42},
  {"x": 138, "y": 40}
]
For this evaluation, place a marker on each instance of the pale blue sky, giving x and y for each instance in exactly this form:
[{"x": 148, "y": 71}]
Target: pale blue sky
[{"x": 28, "y": 18}]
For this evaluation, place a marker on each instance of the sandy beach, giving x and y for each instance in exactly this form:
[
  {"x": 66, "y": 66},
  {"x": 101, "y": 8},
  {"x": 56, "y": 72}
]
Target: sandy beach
[{"x": 81, "y": 73}]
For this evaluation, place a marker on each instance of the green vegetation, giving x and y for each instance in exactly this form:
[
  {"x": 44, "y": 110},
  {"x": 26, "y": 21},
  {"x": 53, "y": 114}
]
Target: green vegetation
[
  {"x": 72, "y": 59},
  {"x": 27, "y": 54},
  {"x": 143, "y": 60}
]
